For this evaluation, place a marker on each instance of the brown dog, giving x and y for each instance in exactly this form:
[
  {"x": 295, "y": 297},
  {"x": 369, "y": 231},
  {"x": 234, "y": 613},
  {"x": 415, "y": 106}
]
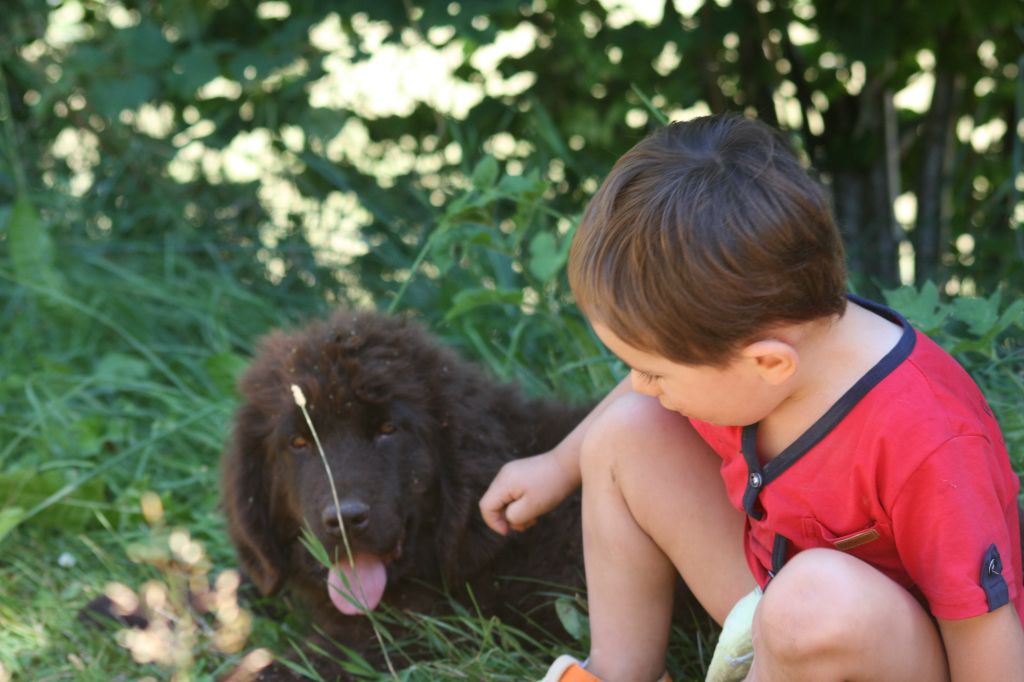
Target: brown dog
[{"x": 413, "y": 436}]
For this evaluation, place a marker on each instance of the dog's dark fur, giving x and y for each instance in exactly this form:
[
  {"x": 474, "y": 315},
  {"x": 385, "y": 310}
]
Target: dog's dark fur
[{"x": 414, "y": 435}]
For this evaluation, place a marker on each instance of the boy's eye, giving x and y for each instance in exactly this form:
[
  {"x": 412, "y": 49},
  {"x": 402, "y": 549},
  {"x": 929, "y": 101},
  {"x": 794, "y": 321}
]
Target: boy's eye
[{"x": 646, "y": 377}]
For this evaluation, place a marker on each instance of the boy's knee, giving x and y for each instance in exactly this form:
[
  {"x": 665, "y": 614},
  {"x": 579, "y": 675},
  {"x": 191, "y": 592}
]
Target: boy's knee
[
  {"x": 810, "y": 606},
  {"x": 620, "y": 431}
]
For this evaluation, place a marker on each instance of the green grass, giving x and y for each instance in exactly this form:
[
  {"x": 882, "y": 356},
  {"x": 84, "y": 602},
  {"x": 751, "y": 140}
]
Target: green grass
[
  {"x": 114, "y": 385},
  {"x": 121, "y": 381}
]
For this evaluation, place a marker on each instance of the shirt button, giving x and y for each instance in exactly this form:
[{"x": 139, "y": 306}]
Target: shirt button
[{"x": 755, "y": 480}]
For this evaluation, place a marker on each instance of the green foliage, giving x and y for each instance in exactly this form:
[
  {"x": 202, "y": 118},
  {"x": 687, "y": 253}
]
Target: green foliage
[
  {"x": 137, "y": 267},
  {"x": 31, "y": 247},
  {"x": 984, "y": 334},
  {"x": 120, "y": 383},
  {"x": 594, "y": 80},
  {"x": 10, "y": 516},
  {"x": 50, "y": 499},
  {"x": 490, "y": 277},
  {"x": 572, "y": 617},
  {"x": 964, "y": 325}
]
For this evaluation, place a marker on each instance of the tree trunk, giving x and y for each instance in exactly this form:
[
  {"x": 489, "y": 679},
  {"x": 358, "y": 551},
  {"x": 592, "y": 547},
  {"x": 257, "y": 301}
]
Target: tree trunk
[
  {"x": 931, "y": 230},
  {"x": 848, "y": 196},
  {"x": 864, "y": 191},
  {"x": 885, "y": 189}
]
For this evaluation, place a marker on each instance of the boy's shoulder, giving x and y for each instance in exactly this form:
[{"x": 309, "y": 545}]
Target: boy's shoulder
[
  {"x": 925, "y": 421},
  {"x": 916, "y": 389},
  {"x": 934, "y": 382},
  {"x": 927, "y": 400}
]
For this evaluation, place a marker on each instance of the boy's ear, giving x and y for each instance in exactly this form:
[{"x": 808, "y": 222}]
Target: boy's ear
[{"x": 774, "y": 359}]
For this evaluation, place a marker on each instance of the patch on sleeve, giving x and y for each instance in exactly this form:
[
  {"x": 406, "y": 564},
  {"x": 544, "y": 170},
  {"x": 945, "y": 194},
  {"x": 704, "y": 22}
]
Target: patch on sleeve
[{"x": 992, "y": 581}]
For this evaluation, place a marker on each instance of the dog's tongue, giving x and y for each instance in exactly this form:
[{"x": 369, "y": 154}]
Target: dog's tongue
[{"x": 363, "y": 583}]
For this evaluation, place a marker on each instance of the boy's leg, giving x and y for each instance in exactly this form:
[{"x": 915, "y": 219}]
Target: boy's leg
[
  {"x": 653, "y": 504},
  {"x": 829, "y": 616}
]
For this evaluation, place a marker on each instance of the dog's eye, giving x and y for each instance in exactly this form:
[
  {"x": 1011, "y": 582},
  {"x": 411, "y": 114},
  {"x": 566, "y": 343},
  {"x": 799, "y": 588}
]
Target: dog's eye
[
  {"x": 386, "y": 429},
  {"x": 298, "y": 442}
]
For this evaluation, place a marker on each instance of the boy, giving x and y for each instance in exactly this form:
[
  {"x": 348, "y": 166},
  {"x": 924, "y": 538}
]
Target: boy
[{"x": 866, "y": 489}]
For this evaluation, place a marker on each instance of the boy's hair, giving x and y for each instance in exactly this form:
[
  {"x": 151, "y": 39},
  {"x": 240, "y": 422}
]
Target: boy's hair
[{"x": 704, "y": 235}]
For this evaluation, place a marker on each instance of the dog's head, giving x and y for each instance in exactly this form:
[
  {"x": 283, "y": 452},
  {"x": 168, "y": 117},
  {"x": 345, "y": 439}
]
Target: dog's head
[{"x": 384, "y": 401}]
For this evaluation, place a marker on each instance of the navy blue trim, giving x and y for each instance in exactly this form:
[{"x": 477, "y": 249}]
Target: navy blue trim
[
  {"x": 763, "y": 475},
  {"x": 780, "y": 552},
  {"x": 755, "y": 474},
  {"x": 992, "y": 581}
]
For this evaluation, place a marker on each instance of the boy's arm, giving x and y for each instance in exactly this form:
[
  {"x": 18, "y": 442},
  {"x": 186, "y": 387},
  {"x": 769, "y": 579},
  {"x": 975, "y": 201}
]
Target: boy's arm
[
  {"x": 986, "y": 648},
  {"x": 526, "y": 488}
]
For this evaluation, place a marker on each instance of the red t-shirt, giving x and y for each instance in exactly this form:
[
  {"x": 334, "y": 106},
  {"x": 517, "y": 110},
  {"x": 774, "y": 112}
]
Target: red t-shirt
[{"x": 908, "y": 471}]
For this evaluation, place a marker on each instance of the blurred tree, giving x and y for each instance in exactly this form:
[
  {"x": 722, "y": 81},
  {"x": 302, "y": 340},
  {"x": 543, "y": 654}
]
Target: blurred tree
[{"x": 272, "y": 129}]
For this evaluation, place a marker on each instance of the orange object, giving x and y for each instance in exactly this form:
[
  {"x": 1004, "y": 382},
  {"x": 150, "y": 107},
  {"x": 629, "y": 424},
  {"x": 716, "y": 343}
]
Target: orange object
[{"x": 576, "y": 673}]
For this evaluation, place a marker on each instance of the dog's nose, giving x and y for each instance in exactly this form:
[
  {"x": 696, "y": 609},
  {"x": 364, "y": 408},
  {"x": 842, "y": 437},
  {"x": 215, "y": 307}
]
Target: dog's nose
[{"x": 355, "y": 514}]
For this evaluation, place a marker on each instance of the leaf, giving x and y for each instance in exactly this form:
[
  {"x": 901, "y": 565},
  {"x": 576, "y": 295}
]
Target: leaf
[
  {"x": 1012, "y": 316},
  {"x": 571, "y": 618},
  {"x": 922, "y": 307},
  {"x": 111, "y": 97},
  {"x": 91, "y": 433},
  {"x": 89, "y": 60},
  {"x": 145, "y": 47},
  {"x": 194, "y": 69},
  {"x": 979, "y": 314},
  {"x": 251, "y": 64},
  {"x": 450, "y": 239},
  {"x": 546, "y": 259},
  {"x": 658, "y": 114},
  {"x": 546, "y": 129},
  {"x": 121, "y": 367},
  {"x": 10, "y": 517},
  {"x": 485, "y": 174},
  {"x": 985, "y": 323},
  {"x": 320, "y": 123},
  {"x": 224, "y": 370},
  {"x": 54, "y": 500},
  {"x": 461, "y": 234},
  {"x": 316, "y": 548},
  {"x": 522, "y": 185},
  {"x": 468, "y": 299},
  {"x": 31, "y": 245}
]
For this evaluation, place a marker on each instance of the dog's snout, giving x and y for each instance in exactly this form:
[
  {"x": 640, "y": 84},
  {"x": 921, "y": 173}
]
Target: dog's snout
[{"x": 355, "y": 514}]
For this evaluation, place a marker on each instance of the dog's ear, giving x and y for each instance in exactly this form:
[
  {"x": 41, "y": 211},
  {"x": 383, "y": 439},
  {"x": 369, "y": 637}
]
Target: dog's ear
[
  {"x": 468, "y": 444},
  {"x": 246, "y": 490},
  {"x": 464, "y": 542}
]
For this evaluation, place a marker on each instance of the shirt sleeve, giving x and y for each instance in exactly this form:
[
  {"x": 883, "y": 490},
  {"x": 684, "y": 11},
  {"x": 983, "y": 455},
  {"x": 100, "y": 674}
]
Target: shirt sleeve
[{"x": 954, "y": 523}]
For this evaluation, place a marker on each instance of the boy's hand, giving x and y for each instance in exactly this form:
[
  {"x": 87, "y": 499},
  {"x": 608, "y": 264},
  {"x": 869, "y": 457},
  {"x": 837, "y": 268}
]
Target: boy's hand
[{"x": 523, "y": 490}]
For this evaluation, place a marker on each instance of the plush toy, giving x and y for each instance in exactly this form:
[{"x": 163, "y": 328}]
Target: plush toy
[{"x": 734, "y": 652}]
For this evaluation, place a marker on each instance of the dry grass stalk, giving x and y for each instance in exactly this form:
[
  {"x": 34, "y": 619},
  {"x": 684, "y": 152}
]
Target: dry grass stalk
[{"x": 300, "y": 400}]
